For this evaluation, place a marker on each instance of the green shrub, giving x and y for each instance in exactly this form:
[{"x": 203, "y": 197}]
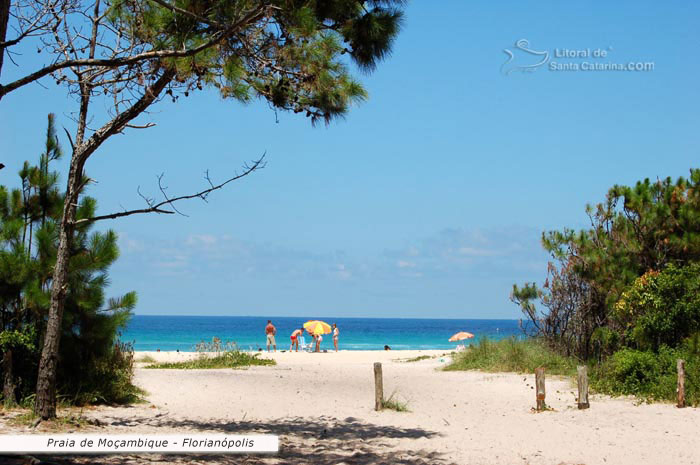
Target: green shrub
[
  {"x": 660, "y": 308},
  {"x": 108, "y": 380},
  {"x": 605, "y": 341},
  {"x": 629, "y": 371},
  {"x": 648, "y": 375}
]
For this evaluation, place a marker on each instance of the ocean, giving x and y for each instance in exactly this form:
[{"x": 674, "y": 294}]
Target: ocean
[{"x": 150, "y": 332}]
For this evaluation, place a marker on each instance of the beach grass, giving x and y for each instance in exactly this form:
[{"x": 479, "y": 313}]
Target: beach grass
[
  {"x": 145, "y": 359},
  {"x": 228, "y": 359},
  {"x": 416, "y": 359},
  {"x": 511, "y": 355},
  {"x": 393, "y": 403}
]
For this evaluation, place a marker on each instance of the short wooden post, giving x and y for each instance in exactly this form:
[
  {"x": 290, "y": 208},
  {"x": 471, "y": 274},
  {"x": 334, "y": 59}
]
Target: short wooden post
[
  {"x": 378, "y": 386},
  {"x": 539, "y": 389},
  {"x": 582, "y": 387},
  {"x": 681, "y": 383}
]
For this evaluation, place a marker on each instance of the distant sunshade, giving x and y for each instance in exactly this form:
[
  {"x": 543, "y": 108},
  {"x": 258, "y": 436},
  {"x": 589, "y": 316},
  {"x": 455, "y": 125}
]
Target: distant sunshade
[{"x": 460, "y": 336}]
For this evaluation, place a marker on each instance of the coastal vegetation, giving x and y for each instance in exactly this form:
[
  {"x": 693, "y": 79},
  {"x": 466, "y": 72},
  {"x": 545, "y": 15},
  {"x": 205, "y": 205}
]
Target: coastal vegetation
[
  {"x": 215, "y": 354},
  {"x": 512, "y": 354},
  {"x": 226, "y": 359},
  {"x": 119, "y": 58},
  {"x": 416, "y": 359},
  {"x": 145, "y": 359},
  {"x": 622, "y": 296},
  {"x": 95, "y": 366},
  {"x": 646, "y": 374}
]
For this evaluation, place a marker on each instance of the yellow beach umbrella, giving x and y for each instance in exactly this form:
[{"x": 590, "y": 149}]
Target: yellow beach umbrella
[
  {"x": 317, "y": 327},
  {"x": 460, "y": 336}
]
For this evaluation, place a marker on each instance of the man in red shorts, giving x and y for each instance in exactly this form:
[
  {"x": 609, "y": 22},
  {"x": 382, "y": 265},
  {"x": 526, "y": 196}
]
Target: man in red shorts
[
  {"x": 270, "y": 332},
  {"x": 295, "y": 339}
]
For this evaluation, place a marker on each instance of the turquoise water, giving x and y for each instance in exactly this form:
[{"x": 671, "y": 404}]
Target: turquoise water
[{"x": 183, "y": 332}]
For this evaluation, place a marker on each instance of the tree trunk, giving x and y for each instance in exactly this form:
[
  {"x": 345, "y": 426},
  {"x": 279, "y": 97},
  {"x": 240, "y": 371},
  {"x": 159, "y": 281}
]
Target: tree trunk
[
  {"x": 4, "y": 17},
  {"x": 8, "y": 384},
  {"x": 45, "y": 404}
]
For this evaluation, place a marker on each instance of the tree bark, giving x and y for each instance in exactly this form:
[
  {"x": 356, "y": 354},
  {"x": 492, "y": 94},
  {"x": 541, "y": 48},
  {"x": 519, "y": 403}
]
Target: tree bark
[
  {"x": 8, "y": 384},
  {"x": 45, "y": 405},
  {"x": 4, "y": 18}
]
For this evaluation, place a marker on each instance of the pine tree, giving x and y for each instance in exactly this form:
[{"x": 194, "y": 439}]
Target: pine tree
[
  {"x": 638, "y": 229},
  {"x": 29, "y": 217}
]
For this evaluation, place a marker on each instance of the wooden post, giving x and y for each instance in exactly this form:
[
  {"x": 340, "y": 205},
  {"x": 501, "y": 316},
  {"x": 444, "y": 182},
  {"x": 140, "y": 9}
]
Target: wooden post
[
  {"x": 681, "y": 383},
  {"x": 582, "y": 387},
  {"x": 378, "y": 386},
  {"x": 539, "y": 389}
]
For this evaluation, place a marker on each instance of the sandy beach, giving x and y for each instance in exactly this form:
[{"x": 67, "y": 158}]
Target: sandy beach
[{"x": 321, "y": 405}]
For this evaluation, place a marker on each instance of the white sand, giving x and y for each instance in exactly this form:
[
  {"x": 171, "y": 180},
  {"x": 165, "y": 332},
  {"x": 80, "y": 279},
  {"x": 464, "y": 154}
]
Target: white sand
[{"x": 322, "y": 406}]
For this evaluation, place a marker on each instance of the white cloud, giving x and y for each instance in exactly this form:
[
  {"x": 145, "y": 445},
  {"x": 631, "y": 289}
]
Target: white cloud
[
  {"x": 201, "y": 239},
  {"x": 341, "y": 272},
  {"x": 451, "y": 253},
  {"x": 458, "y": 252},
  {"x": 128, "y": 244},
  {"x": 476, "y": 252}
]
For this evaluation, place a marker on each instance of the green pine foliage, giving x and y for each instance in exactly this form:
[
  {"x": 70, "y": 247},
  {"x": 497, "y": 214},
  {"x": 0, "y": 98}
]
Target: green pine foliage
[
  {"x": 624, "y": 294},
  {"x": 93, "y": 366},
  {"x": 650, "y": 231},
  {"x": 295, "y": 55},
  {"x": 636, "y": 229}
]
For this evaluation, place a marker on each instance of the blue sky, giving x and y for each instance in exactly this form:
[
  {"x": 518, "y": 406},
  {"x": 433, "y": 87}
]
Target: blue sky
[{"x": 429, "y": 199}]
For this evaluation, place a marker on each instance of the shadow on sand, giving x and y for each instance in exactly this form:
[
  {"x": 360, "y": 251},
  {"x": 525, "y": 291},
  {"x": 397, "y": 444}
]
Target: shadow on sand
[{"x": 320, "y": 441}]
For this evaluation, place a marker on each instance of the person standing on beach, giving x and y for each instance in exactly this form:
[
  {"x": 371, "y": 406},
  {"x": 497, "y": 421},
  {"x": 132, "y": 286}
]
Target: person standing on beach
[
  {"x": 270, "y": 332},
  {"x": 319, "y": 338},
  {"x": 295, "y": 338},
  {"x": 335, "y": 336}
]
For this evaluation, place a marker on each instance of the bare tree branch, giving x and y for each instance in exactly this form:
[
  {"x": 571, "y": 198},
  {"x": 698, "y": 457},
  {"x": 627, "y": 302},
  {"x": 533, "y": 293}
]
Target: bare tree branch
[
  {"x": 168, "y": 200},
  {"x": 158, "y": 207},
  {"x": 140, "y": 126},
  {"x": 117, "y": 124}
]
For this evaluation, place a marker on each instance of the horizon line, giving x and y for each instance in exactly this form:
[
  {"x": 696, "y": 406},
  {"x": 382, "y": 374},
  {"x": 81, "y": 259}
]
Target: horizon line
[{"x": 329, "y": 317}]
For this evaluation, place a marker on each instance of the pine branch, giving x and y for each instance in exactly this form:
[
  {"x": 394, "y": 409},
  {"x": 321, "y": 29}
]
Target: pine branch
[{"x": 252, "y": 16}]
